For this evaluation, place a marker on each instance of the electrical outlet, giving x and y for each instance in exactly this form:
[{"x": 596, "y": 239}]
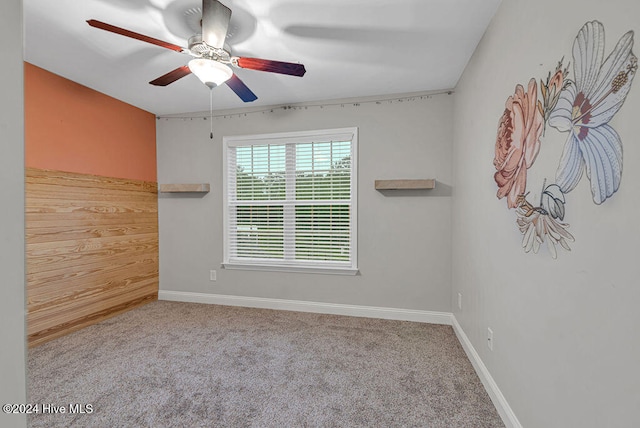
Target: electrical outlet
[
  {"x": 212, "y": 275},
  {"x": 460, "y": 301},
  {"x": 490, "y": 338}
]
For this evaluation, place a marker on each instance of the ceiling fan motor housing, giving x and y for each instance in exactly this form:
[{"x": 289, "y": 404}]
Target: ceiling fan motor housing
[{"x": 200, "y": 49}]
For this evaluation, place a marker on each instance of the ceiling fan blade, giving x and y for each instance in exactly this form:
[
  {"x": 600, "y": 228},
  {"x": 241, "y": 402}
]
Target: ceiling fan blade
[
  {"x": 241, "y": 89},
  {"x": 215, "y": 22},
  {"x": 289, "y": 68},
  {"x": 112, "y": 28},
  {"x": 171, "y": 76}
]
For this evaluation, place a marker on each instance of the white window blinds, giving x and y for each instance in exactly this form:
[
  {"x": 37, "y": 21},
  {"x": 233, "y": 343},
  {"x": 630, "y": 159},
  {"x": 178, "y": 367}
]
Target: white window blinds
[{"x": 290, "y": 201}]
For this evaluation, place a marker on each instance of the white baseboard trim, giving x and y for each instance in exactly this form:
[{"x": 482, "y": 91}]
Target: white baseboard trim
[
  {"x": 504, "y": 410},
  {"x": 314, "y": 307}
]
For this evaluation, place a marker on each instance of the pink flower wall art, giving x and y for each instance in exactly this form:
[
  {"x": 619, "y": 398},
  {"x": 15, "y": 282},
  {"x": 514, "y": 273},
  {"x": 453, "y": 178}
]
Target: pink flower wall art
[
  {"x": 580, "y": 106},
  {"x": 518, "y": 142}
]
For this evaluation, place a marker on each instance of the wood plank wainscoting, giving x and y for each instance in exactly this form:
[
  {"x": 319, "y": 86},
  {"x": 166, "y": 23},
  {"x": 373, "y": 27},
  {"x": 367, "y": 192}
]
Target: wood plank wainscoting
[{"x": 92, "y": 249}]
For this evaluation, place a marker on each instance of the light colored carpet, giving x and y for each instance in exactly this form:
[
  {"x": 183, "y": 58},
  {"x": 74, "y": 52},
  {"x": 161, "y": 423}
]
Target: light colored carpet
[{"x": 170, "y": 364}]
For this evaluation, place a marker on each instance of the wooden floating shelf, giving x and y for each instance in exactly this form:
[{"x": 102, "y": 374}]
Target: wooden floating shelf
[
  {"x": 185, "y": 188},
  {"x": 429, "y": 183}
]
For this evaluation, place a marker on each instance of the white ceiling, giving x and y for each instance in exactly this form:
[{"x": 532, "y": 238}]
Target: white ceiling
[{"x": 350, "y": 48}]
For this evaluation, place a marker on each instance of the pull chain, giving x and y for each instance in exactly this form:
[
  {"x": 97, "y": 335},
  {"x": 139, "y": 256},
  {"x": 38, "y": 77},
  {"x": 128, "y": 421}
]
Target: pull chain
[{"x": 211, "y": 112}]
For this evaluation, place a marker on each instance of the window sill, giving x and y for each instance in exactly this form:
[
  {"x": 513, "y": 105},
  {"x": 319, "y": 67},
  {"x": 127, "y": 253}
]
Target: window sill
[{"x": 296, "y": 269}]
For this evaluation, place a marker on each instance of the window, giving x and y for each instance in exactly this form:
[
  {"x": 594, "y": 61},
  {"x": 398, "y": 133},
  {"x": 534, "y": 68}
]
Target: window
[{"x": 290, "y": 201}]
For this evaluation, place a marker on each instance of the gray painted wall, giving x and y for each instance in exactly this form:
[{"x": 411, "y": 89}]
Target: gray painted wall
[
  {"x": 566, "y": 346},
  {"x": 404, "y": 237},
  {"x": 12, "y": 304}
]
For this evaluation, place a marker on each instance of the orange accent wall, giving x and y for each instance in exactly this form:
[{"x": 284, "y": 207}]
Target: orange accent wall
[{"x": 69, "y": 127}]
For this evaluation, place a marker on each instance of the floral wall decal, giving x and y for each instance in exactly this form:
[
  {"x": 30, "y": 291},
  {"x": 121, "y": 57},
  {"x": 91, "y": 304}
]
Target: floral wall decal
[
  {"x": 518, "y": 142},
  {"x": 581, "y": 106}
]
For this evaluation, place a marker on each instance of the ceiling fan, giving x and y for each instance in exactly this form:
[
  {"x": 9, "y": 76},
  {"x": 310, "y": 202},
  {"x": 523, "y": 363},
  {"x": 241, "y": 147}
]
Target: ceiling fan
[{"x": 211, "y": 58}]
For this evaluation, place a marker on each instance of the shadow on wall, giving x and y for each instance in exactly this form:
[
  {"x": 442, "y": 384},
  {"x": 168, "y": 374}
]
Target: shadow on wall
[
  {"x": 441, "y": 190},
  {"x": 182, "y": 195}
]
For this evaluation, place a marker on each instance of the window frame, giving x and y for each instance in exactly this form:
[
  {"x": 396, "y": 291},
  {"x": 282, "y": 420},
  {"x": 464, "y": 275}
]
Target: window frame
[{"x": 307, "y": 266}]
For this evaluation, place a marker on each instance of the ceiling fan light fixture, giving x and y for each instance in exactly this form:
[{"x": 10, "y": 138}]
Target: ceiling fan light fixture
[{"x": 210, "y": 72}]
